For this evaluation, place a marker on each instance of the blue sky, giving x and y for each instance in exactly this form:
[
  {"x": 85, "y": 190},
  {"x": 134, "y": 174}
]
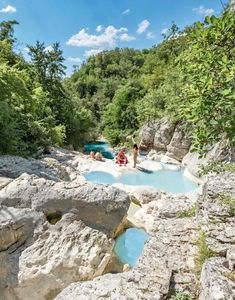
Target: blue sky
[{"x": 85, "y": 27}]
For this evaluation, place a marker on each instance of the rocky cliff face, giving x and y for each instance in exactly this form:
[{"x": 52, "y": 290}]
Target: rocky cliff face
[
  {"x": 172, "y": 144},
  {"x": 165, "y": 137},
  {"x": 147, "y": 134}
]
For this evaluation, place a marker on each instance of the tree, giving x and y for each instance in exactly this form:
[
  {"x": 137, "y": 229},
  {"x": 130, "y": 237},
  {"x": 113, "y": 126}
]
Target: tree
[
  {"x": 7, "y": 31},
  {"x": 207, "y": 70},
  {"x": 120, "y": 119}
]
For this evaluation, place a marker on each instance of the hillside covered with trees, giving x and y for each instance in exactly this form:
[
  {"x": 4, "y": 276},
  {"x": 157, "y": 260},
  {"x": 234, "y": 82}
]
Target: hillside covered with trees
[{"x": 189, "y": 77}]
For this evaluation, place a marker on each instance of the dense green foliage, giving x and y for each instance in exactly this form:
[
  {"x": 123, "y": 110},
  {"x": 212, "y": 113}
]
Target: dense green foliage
[
  {"x": 188, "y": 77},
  {"x": 35, "y": 108},
  {"x": 207, "y": 73},
  {"x": 124, "y": 88}
]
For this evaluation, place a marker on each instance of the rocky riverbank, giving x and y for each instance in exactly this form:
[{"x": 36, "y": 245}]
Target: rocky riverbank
[{"x": 57, "y": 234}]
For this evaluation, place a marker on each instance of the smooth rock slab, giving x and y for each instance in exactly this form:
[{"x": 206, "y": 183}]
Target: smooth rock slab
[
  {"x": 98, "y": 206},
  {"x": 4, "y": 182}
]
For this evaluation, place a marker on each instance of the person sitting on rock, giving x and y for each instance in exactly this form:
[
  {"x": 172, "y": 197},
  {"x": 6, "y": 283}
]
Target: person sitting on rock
[
  {"x": 121, "y": 158},
  {"x": 99, "y": 156},
  {"x": 92, "y": 154}
]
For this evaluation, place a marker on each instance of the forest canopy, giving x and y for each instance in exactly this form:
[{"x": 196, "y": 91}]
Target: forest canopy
[{"x": 188, "y": 77}]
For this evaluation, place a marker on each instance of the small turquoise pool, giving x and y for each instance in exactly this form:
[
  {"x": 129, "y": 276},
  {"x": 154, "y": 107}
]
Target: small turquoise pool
[
  {"x": 102, "y": 147},
  {"x": 167, "y": 180},
  {"x": 129, "y": 245}
]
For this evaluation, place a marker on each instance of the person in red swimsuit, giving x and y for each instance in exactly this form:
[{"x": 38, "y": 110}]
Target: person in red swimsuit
[{"x": 121, "y": 158}]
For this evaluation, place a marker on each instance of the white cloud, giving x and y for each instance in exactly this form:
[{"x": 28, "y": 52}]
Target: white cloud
[
  {"x": 126, "y": 37},
  {"x": 92, "y": 52},
  {"x": 26, "y": 49},
  {"x": 164, "y": 30},
  {"x": 150, "y": 35},
  {"x": 8, "y": 9},
  {"x": 126, "y": 12},
  {"x": 203, "y": 11},
  {"x": 142, "y": 27},
  {"x": 75, "y": 59},
  {"x": 108, "y": 38},
  {"x": 48, "y": 49},
  {"x": 99, "y": 28}
]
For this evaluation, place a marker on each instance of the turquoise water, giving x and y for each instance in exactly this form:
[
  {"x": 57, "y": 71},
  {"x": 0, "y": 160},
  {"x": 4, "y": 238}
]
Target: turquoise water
[
  {"x": 101, "y": 147},
  {"x": 167, "y": 180},
  {"x": 129, "y": 245}
]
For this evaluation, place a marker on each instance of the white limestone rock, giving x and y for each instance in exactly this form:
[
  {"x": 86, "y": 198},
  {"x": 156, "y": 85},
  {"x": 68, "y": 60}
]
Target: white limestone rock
[
  {"x": 168, "y": 257},
  {"x": 169, "y": 161},
  {"x": 150, "y": 165},
  {"x": 49, "y": 257},
  {"x": 164, "y": 132},
  {"x": 179, "y": 144},
  {"x": 154, "y": 155},
  {"x": 4, "y": 182},
  {"x": 230, "y": 256},
  {"x": 100, "y": 207},
  {"x": 215, "y": 282},
  {"x": 147, "y": 134},
  {"x": 66, "y": 252},
  {"x": 193, "y": 162}
]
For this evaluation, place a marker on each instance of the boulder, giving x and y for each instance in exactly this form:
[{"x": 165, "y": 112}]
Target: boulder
[
  {"x": 164, "y": 132},
  {"x": 49, "y": 257},
  {"x": 157, "y": 205},
  {"x": 217, "y": 220},
  {"x": 55, "y": 233},
  {"x": 215, "y": 280},
  {"x": 14, "y": 166},
  {"x": 16, "y": 229},
  {"x": 193, "y": 162},
  {"x": 17, "y": 225},
  {"x": 98, "y": 206},
  {"x": 154, "y": 155},
  {"x": 179, "y": 144},
  {"x": 147, "y": 134},
  {"x": 4, "y": 182},
  {"x": 58, "y": 165}
]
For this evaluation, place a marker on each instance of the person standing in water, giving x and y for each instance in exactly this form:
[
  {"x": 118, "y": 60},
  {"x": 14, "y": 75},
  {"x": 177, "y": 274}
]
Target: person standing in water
[{"x": 135, "y": 153}]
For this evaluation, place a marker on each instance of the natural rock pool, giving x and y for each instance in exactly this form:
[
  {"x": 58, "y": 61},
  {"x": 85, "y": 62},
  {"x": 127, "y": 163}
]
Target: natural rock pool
[
  {"x": 167, "y": 180},
  {"x": 129, "y": 245},
  {"x": 102, "y": 147}
]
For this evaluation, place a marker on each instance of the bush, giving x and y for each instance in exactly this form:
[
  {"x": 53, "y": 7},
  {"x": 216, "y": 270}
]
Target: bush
[
  {"x": 216, "y": 166},
  {"x": 180, "y": 296}
]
